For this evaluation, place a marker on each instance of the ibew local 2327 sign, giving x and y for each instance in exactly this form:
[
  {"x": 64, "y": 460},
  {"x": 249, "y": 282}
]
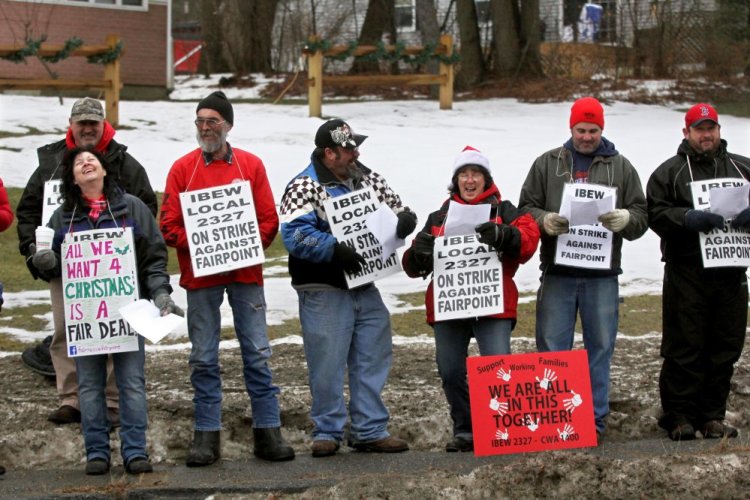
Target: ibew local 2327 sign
[{"x": 530, "y": 402}]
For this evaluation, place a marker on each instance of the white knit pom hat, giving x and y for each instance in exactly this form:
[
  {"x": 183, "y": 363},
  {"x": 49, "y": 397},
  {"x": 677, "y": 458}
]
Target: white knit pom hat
[{"x": 471, "y": 156}]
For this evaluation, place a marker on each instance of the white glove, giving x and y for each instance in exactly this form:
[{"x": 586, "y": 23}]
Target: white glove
[
  {"x": 555, "y": 224},
  {"x": 616, "y": 220}
]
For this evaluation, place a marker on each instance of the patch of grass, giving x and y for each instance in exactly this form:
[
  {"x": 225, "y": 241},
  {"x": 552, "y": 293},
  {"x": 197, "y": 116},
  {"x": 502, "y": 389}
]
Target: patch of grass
[
  {"x": 29, "y": 318},
  {"x": 639, "y": 315},
  {"x": 30, "y": 131},
  {"x": 289, "y": 327},
  {"x": 412, "y": 323}
]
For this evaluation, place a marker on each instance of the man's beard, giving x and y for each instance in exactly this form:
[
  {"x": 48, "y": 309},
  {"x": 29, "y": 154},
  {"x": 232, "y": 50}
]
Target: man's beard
[{"x": 211, "y": 147}]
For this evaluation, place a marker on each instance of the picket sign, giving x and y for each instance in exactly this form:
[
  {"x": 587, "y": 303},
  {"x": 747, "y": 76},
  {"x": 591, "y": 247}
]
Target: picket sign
[{"x": 99, "y": 276}]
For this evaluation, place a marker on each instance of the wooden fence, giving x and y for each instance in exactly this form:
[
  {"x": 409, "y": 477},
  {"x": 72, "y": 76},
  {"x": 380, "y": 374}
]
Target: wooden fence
[
  {"x": 316, "y": 80},
  {"x": 111, "y": 83}
]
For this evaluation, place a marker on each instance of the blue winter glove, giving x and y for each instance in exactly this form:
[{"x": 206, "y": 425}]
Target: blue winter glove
[
  {"x": 702, "y": 221},
  {"x": 407, "y": 221},
  {"x": 742, "y": 219}
]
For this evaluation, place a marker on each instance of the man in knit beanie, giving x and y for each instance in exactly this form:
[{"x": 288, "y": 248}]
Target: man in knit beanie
[
  {"x": 580, "y": 264},
  {"x": 224, "y": 168}
]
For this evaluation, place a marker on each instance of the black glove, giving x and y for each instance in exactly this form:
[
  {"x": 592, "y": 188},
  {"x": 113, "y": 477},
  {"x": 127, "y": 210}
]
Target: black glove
[
  {"x": 500, "y": 236},
  {"x": 699, "y": 220},
  {"x": 424, "y": 244},
  {"x": 407, "y": 221},
  {"x": 350, "y": 260},
  {"x": 742, "y": 219}
]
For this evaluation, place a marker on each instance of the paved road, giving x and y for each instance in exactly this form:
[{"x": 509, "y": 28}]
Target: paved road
[{"x": 256, "y": 476}]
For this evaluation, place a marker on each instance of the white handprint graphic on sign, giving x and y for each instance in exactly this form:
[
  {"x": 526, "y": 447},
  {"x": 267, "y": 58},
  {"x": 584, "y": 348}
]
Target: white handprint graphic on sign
[
  {"x": 501, "y": 373},
  {"x": 499, "y": 406},
  {"x": 533, "y": 425},
  {"x": 502, "y": 435},
  {"x": 572, "y": 403},
  {"x": 566, "y": 432},
  {"x": 549, "y": 377}
]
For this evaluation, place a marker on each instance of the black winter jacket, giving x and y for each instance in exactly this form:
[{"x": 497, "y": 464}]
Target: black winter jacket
[
  {"x": 128, "y": 173},
  {"x": 668, "y": 196}
]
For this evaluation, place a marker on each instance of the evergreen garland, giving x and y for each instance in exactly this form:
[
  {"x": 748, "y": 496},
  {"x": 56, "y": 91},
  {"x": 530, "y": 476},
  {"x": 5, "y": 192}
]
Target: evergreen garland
[
  {"x": 382, "y": 54},
  {"x": 32, "y": 49},
  {"x": 70, "y": 45}
]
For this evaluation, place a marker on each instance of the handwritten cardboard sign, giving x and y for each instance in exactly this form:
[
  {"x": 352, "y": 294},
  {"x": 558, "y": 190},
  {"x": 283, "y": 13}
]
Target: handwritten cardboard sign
[
  {"x": 347, "y": 214},
  {"x": 99, "y": 276},
  {"x": 530, "y": 402},
  {"x": 468, "y": 278},
  {"x": 222, "y": 228},
  {"x": 727, "y": 246}
]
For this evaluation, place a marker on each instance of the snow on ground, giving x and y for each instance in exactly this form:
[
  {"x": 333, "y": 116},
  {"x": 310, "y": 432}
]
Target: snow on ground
[{"x": 412, "y": 143}]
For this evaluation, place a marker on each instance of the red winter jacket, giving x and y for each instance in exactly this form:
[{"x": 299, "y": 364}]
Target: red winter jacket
[
  {"x": 507, "y": 213},
  {"x": 190, "y": 173},
  {"x": 6, "y": 213}
]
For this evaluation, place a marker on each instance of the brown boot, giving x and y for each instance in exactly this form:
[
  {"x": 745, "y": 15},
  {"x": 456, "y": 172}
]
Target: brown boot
[{"x": 390, "y": 444}]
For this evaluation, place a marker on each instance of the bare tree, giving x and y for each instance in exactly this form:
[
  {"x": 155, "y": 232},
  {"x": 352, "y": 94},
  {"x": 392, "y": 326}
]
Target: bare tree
[
  {"x": 212, "y": 59},
  {"x": 427, "y": 22},
  {"x": 530, "y": 63},
  {"x": 506, "y": 48},
  {"x": 380, "y": 19},
  {"x": 472, "y": 62},
  {"x": 256, "y": 18}
]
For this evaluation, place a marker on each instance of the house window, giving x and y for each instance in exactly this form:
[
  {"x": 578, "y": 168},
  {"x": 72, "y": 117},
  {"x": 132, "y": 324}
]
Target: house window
[{"x": 405, "y": 15}]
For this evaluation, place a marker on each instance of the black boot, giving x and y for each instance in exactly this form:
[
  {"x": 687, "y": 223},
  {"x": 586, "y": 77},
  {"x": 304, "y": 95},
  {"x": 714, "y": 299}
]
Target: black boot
[
  {"x": 269, "y": 445},
  {"x": 205, "y": 450}
]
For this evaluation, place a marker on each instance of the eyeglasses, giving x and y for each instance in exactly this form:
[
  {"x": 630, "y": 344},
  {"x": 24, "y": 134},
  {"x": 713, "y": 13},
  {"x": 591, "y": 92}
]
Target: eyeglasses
[{"x": 211, "y": 122}]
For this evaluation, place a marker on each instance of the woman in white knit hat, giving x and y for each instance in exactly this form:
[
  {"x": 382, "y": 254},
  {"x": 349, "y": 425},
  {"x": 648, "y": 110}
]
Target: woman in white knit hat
[{"x": 514, "y": 236}]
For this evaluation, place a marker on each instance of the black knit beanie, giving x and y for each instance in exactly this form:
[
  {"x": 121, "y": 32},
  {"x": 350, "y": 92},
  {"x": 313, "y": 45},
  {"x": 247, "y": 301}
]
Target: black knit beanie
[{"x": 218, "y": 102}]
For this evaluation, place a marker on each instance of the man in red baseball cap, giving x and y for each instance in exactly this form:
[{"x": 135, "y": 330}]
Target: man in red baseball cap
[
  {"x": 576, "y": 287},
  {"x": 704, "y": 308}
]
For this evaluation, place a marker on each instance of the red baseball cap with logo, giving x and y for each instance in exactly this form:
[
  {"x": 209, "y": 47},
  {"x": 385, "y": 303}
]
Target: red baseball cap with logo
[{"x": 699, "y": 114}]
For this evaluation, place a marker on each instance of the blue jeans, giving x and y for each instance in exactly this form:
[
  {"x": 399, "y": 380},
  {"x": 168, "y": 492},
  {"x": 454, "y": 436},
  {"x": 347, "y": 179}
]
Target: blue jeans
[
  {"x": 204, "y": 327},
  {"x": 131, "y": 383},
  {"x": 347, "y": 329},
  {"x": 451, "y": 350},
  {"x": 596, "y": 299}
]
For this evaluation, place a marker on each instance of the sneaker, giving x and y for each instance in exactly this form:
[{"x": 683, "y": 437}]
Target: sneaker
[
  {"x": 324, "y": 448},
  {"x": 459, "y": 444},
  {"x": 37, "y": 358},
  {"x": 139, "y": 465},
  {"x": 97, "y": 467},
  {"x": 682, "y": 431},
  {"x": 389, "y": 444},
  {"x": 66, "y": 414},
  {"x": 716, "y": 429}
]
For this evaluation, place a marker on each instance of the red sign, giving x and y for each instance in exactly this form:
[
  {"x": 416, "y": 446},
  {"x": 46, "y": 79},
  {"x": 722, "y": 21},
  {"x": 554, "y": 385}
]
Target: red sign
[
  {"x": 531, "y": 402},
  {"x": 187, "y": 55}
]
